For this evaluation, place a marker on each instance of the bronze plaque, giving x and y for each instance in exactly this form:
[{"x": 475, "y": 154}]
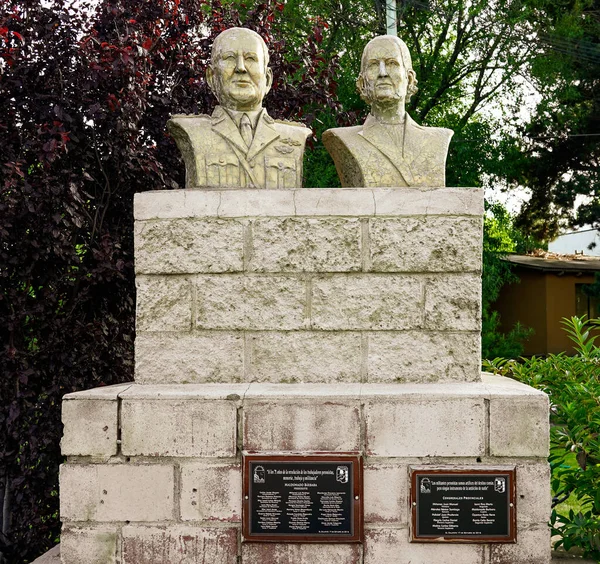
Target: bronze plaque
[
  {"x": 296, "y": 498},
  {"x": 467, "y": 504}
]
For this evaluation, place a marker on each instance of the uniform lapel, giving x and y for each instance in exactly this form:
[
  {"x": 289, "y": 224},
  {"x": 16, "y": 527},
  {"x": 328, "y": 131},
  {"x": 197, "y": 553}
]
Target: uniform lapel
[
  {"x": 264, "y": 135},
  {"x": 375, "y": 134},
  {"x": 226, "y": 128}
]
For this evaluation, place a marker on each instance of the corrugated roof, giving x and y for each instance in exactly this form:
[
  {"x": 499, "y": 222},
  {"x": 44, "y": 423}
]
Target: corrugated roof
[{"x": 557, "y": 263}]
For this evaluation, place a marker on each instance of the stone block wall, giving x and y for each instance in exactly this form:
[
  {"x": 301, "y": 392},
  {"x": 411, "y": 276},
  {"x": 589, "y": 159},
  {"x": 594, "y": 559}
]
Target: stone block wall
[
  {"x": 313, "y": 285},
  {"x": 154, "y": 472}
]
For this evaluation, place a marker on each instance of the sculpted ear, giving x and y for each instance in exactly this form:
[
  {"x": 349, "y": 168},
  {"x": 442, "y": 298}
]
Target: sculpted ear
[
  {"x": 210, "y": 78},
  {"x": 269, "y": 80},
  {"x": 360, "y": 84},
  {"x": 412, "y": 80}
]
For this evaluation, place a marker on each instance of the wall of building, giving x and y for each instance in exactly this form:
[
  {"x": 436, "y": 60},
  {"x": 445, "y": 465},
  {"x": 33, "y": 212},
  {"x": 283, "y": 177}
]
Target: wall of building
[{"x": 525, "y": 302}]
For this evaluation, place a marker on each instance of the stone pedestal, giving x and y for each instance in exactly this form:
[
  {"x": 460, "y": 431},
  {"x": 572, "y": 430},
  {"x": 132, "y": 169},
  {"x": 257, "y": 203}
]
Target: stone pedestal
[{"x": 301, "y": 321}]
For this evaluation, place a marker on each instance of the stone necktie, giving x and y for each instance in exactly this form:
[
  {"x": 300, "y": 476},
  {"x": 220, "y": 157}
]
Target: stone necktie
[{"x": 246, "y": 130}]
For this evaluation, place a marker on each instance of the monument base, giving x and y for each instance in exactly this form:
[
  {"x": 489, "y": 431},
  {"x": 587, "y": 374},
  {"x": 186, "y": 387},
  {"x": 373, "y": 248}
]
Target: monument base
[{"x": 154, "y": 472}]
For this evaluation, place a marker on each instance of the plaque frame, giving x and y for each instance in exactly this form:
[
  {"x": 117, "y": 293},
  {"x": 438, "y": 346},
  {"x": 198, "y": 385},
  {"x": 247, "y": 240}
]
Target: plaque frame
[
  {"x": 357, "y": 513},
  {"x": 511, "y": 538}
]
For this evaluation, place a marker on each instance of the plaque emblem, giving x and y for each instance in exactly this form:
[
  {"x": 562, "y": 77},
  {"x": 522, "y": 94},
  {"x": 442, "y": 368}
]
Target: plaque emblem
[
  {"x": 259, "y": 475},
  {"x": 500, "y": 485},
  {"x": 341, "y": 474},
  {"x": 425, "y": 486}
]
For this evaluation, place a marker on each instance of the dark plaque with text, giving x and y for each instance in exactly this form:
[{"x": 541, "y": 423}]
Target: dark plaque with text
[
  {"x": 315, "y": 498},
  {"x": 463, "y": 504}
]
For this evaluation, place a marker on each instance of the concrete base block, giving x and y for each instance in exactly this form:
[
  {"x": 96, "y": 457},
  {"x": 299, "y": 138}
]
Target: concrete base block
[{"x": 172, "y": 490}]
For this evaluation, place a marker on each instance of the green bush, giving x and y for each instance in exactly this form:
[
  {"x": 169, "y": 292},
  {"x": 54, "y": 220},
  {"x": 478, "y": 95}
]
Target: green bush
[{"x": 573, "y": 384}]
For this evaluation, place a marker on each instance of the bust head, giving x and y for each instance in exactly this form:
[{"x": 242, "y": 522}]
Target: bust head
[
  {"x": 238, "y": 74},
  {"x": 386, "y": 73}
]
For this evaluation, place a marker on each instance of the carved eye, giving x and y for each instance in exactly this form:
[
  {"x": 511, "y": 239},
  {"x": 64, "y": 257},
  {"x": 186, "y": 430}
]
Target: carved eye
[
  {"x": 253, "y": 58},
  {"x": 392, "y": 63}
]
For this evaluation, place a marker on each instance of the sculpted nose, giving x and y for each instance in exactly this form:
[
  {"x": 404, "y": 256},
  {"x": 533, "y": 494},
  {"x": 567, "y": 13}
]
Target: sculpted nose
[
  {"x": 239, "y": 66},
  {"x": 382, "y": 69}
]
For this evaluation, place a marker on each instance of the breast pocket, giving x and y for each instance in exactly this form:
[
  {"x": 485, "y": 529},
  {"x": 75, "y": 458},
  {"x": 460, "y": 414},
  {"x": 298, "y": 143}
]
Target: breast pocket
[
  {"x": 223, "y": 169},
  {"x": 281, "y": 172}
]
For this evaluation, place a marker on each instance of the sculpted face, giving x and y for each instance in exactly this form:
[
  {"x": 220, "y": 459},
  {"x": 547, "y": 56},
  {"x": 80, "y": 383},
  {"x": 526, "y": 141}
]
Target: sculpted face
[
  {"x": 384, "y": 77},
  {"x": 238, "y": 74}
]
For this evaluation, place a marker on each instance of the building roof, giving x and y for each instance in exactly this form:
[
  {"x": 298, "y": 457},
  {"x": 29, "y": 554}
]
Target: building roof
[{"x": 551, "y": 262}]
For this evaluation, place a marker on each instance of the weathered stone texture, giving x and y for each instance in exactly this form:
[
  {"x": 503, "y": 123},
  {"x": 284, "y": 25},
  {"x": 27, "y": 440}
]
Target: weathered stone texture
[
  {"x": 182, "y": 358},
  {"x": 392, "y": 546},
  {"x": 304, "y": 356},
  {"x": 453, "y": 303},
  {"x": 96, "y": 545},
  {"x": 519, "y": 426},
  {"x": 425, "y": 244},
  {"x": 189, "y": 246},
  {"x": 163, "y": 303},
  {"x": 281, "y": 553},
  {"x": 305, "y": 244},
  {"x": 418, "y": 356},
  {"x": 116, "y": 492},
  {"x": 386, "y": 493},
  {"x": 179, "y": 545},
  {"x": 178, "y": 428},
  {"x": 211, "y": 492},
  {"x": 367, "y": 302},
  {"x": 302, "y": 426},
  {"x": 450, "y": 426},
  {"x": 90, "y": 427},
  {"x": 250, "y": 302},
  {"x": 532, "y": 547}
]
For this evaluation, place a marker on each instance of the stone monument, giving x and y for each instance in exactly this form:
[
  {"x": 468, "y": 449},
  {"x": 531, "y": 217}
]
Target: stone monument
[
  {"x": 240, "y": 145},
  {"x": 307, "y": 360},
  {"x": 389, "y": 149}
]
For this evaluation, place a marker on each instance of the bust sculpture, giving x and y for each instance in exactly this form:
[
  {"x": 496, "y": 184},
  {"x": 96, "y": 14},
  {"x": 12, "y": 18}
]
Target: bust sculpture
[
  {"x": 239, "y": 145},
  {"x": 389, "y": 149}
]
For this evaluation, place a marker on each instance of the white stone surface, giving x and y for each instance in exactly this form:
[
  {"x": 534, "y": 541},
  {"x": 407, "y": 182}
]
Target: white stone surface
[
  {"x": 211, "y": 492},
  {"x": 519, "y": 426},
  {"x": 174, "y": 392},
  {"x": 453, "y": 302},
  {"x": 163, "y": 303},
  {"x": 425, "y": 244},
  {"x": 281, "y": 553},
  {"x": 391, "y": 546},
  {"x": 426, "y": 427},
  {"x": 189, "y": 246},
  {"x": 182, "y": 358},
  {"x": 386, "y": 493},
  {"x": 86, "y": 545},
  {"x": 250, "y": 302},
  {"x": 306, "y": 245},
  {"x": 178, "y": 428},
  {"x": 176, "y": 544},
  {"x": 116, "y": 492},
  {"x": 419, "y": 356},
  {"x": 532, "y": 547},
  {"x": 341, "y": 202},
  {"x": 305, "y": 356},
  {"x": 90, "y": 427},
  {"x": 534, "y": 498},
  {"x": 302, "y": 426},
  {"x": 346, "y": 302}
]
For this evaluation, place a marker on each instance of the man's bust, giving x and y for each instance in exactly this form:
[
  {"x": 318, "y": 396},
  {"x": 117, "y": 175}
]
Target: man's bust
[
  {"x": 389, "y": 149},
  {"x": 239, "y": 145}
]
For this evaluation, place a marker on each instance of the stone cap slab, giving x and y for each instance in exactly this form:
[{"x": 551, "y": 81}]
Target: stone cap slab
[
  {"x": 336, "y": 202},
  {"x": 491, "y": 386}
]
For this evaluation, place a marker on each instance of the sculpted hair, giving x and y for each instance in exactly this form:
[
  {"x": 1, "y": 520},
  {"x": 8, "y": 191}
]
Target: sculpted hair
[
  {"x": 406, "y": 61},
  {"x": 222, "y": 37}
]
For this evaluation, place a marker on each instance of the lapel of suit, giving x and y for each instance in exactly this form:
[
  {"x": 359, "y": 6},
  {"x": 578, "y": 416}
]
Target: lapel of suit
[
  {"x": 264, "y": 135},
  {"x": 413, "y": 141},
  {"x": 375, "y": 134},
  {"x": 226, "y": 128}
]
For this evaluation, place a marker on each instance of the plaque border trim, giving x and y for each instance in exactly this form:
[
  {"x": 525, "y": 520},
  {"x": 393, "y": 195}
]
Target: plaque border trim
[
  {"x": 357, "y": 508},
  {"x": 416, "y": 471}
]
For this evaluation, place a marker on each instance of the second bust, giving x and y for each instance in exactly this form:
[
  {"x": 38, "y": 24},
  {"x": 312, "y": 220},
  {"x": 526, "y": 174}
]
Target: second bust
[
  {"x": 389, "y": 149},
  {"x": 239, "y": 145}
]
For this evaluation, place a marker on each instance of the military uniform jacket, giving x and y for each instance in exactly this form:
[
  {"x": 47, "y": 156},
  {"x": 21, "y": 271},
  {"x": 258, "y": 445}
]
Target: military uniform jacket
[
  {"x": 215, "y": 154},
  {"x": 367, "y": 155}
]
